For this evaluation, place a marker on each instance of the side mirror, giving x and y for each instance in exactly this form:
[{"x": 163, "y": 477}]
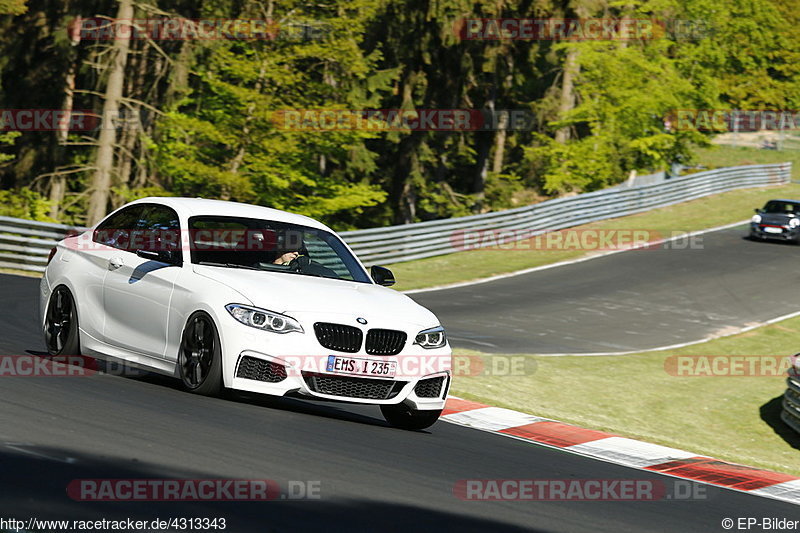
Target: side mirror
[
  {"x": 757, "y": 210},
  {"x": 171, "y": 257},
  {"x": 382, "y": 275}
]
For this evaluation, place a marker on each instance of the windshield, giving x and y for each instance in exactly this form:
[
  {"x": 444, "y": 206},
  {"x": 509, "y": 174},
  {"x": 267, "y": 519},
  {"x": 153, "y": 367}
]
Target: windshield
[
  {"x": 781, "y": 207},
  {"x": 254, "y": 244}
]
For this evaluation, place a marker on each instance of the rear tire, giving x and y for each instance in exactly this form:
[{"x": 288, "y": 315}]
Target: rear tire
[
  {"x": 200, "y": 356},
  {"x": 61, "y": 324},
  {"x": 403, "y": 417}
]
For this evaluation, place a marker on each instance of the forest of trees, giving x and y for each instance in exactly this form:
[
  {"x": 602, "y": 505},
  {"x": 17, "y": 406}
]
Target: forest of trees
[{"x": 194, "y": 117}]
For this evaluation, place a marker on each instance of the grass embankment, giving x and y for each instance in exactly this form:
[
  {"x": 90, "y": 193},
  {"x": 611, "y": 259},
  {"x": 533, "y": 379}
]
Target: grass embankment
[
  {"x": 731, "y": 418},
  {"x": 732, "y": 156}
]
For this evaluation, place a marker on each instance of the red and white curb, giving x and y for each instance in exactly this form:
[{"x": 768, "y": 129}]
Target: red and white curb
[{"x": 621, "y": 450}]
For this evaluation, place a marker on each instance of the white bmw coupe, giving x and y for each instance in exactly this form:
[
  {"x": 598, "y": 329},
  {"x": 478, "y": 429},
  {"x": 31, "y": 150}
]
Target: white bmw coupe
[{"x": 228, "y": 295}]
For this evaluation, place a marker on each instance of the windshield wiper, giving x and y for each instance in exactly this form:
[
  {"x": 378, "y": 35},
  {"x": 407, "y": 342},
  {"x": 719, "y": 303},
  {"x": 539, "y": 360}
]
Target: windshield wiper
[{"x": 229, "y": 265}]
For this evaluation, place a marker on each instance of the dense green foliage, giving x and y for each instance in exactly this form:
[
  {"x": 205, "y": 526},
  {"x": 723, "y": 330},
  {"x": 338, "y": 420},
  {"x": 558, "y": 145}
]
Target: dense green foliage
[{"x": 200, "y": 115}]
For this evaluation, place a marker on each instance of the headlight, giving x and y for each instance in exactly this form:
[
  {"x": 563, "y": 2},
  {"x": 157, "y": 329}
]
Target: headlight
[
  {"x": 431, "y": 338},
  {"x": 793, "y": 223},
  {"x": 263, "y": 319},
  {"x": 756, "y": 219}
]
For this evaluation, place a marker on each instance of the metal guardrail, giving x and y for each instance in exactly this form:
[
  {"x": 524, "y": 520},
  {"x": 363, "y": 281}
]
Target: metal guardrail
[
  {"x": 24, "y": 244},
  {"x": 427, "y": 239}
]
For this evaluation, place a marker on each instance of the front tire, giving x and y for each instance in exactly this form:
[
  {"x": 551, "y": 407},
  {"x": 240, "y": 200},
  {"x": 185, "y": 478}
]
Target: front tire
[
  {"x": 61, "y": 324},
  {"x": 403, "y": 417},
  {"x": 200, "y": 356}
]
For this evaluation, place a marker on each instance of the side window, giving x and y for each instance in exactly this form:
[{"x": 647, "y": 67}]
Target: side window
[
  {"x": 116, "y": 230},
  {"x": 159, "y": 229}
]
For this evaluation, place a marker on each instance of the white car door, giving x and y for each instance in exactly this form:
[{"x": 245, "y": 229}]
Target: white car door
[
  {"x": 137, "y": 290},
  {"x": 90, "y": 264}
]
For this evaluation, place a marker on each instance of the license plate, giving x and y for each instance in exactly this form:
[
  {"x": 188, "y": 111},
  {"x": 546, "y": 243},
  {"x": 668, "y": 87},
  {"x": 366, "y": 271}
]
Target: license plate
[
  {"x": 361, "y": 367},
  {"x": 770, "y": 229}
]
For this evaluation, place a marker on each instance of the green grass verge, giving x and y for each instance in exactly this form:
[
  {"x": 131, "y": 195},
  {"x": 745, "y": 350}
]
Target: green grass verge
[
  {"x": 17, "y": 272},
  {"x": 731, "y": 156},
  {"x": 735, "y": 419},
  {"x": 695, "y": 215}
]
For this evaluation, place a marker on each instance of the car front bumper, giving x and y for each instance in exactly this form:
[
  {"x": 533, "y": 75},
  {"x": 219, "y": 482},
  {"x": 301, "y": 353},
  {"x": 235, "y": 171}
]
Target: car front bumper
[
  {"x": 791, "y": 400},
  {"x": 295, "y": 364},
  {"x": 767, "y": 231}
]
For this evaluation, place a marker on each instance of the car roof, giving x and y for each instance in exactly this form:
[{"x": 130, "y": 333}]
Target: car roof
[
  {"x": 190, "y": 207},
  {"x": 787, "y": 201}
]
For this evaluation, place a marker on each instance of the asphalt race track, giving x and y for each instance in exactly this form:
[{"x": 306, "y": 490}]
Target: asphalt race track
[
  {"x": 372, "y": 477},
  {"x": 636, "y": 300}
]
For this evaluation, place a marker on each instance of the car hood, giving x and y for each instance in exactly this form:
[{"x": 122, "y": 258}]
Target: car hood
[
  {"x": 778, "y": 219},
  {"x": 297, "y": 294}
]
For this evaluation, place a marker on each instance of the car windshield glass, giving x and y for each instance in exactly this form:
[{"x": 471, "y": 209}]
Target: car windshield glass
[
  {"x": 255, "y": 244},
  {"x": 781, "y": 207}
]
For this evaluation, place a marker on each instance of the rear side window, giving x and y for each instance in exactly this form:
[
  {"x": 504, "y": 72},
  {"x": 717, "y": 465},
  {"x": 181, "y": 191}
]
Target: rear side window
[
  {"x": 116, "y": 230},
  {"x": 141, "y": 227}
]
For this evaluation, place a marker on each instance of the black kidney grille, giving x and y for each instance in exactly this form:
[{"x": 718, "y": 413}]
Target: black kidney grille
[
  {"x": 339, "y": 337},
  {"x": 385, "y": 341},
  {"x": 260, "y": 370},
  {"x": 348, "y": 387}
]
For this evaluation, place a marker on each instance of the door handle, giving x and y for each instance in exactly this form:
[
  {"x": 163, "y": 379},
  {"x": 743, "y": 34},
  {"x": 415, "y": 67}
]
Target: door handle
[{"x": 115, "y": 262}]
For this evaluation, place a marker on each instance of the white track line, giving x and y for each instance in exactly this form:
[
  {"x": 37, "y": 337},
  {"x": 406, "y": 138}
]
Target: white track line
[{"x": 682, "y": 344}]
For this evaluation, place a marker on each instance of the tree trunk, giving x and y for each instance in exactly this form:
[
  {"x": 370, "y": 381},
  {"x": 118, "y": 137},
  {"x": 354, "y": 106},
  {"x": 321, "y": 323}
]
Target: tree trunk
[
  {"x": 104, "y": 162},
  {"x": 500, "y": 143},
  {"x": 58, "y": 183},
  {"x": 567, "y": 100},
  {"x": 403, "y": 191},
  {"x": 179, "y": 80},
  {"x": 131, "y": 125},
  {"x": 484, "y": 141},
  {"x": 238, "y": 159}
]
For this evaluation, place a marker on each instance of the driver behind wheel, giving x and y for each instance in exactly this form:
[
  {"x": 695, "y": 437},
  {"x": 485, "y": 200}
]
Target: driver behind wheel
[
  {"x": 286, "y": 258},
  {"x": 289, "y": 247}
]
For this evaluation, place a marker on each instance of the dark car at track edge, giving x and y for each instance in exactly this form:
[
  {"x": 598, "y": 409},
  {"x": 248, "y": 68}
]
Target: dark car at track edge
[{"x": 778, "y": 219}]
